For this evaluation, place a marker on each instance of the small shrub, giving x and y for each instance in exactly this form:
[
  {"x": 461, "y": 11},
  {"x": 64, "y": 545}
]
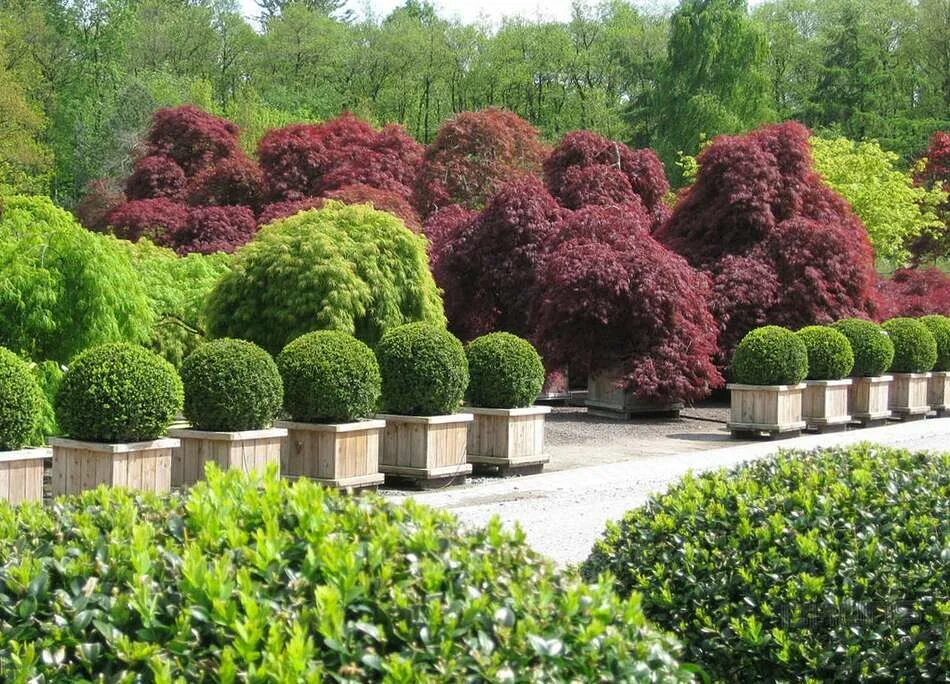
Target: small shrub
[
  {"x": 424, "y": 370},
  {"x": 231, "y": 385},
  {"x": 770, "y": 355},
  {"x": 872, "y": 347},
  {"x": 939, "y": 327},
  {"x": 118, "y": 393},
  {"x": 505, "y": 371},
  {"x": 829, "y": 353},
  {"x": 915, "y": 349},
  {"x": 329, "y": 377},
  {"x": 19, "y": 401}
]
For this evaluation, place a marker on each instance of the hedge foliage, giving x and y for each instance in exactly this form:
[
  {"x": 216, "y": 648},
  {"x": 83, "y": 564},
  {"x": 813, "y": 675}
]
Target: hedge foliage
[
  {"x": 347, "y": 268},
  {"x": 915, "y": 349},
  {"x": 872, "y": 347},
  {"x": 830, "y": 356},
  {"x": 262, "y": 580},
  {"x": 823, "y": 566},
  {"x": 231, "y": 385},
  {"x": 939, "y": 327},
  {"x": 505, "y": 371},
  {"x": 20, "y": 401},
  {"x": 424, "y": 370},
  {"x": 329, "y": 377},
  {"x": 770, "y": 355},
  {"x": 118, "y": 393}
]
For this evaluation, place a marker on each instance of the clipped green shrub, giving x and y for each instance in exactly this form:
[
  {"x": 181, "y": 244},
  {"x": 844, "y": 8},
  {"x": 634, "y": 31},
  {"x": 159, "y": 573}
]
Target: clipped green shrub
[
  {"x": 347, "y": 268},
  {"x": 915, "y": 349},
  {"x": 939, "y": 327},
  {"x": 424, "y": 370},
  {"x": 118, "y": 393},
  {"x": 261, "y": 580},
  {"x": 829, "y": 353},
  {"x": 329, "y": 377},
  {"x": 872, "y": 347},
  {"x": 20, "y": 401},
  {"x": 505, "y": 371},
  {"x": 821, "y": 566},
  {"x": 771, "y": 355},
  {"x": 231, "y": 385}
]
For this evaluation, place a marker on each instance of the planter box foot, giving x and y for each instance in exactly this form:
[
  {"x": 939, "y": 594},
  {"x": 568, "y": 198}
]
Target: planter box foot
[
  {"x": 436, "y": 482},
  {"x": 746, "y": 433},
  {"x": 902, "y": 416},
  {"x": 501, "y": 467},
  {"x": 820, "y": 429}
]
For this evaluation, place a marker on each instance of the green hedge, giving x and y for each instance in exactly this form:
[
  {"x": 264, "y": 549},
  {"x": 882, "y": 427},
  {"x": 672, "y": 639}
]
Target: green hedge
[
  {"x": 505, "y": 371},
  {"x": 20, "y": 402},
  {"x": 939, "y": 327},
  {"x": 829, "y": 353},
  {"x": 771, "y": 355},
  {"x": 872, "y": 347},
  {"x": 251, "y": 580},
  {"x": 915, "y": 349},
  {"x": 823, "y": 566}
]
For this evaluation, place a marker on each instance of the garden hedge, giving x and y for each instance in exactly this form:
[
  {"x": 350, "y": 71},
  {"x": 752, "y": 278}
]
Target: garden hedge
[
  {"x": 915, "y": 349},
  {"x": 505, "y": 371},
  {"x": 251, "y": 579},
  {"x": 770, "y": 355},
  {"x": 820, "y": 566},
  {"x": 829, "y": 353},
  {"x": 939, "y": 327},
  {"x": 20, "y": 401},
  {"x": 872, "y": 347}
]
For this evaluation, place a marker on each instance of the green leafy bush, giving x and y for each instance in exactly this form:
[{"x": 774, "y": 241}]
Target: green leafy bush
[
  {"x": 265, "y": 581},
  {"x": 118, "y": 393},
  {"x": 505, "y": 371},
  {"x": 20, "y": 401},
  {"x": 770, "y": 355},
  {"x": 231, "y": 385},
  {"x": 939, "y": 327},
  {"x": 829, "y": 353},
  {"x": 347, "y": 268},
  {"x": 48, "y": 376},
  {"x": 872, "y": 347},
  {"x": 329, "y": 377},
  {"x": 915, "y": 349},
  {"x": 821, "y": 566},
  {"x": 424, "y": 369}
]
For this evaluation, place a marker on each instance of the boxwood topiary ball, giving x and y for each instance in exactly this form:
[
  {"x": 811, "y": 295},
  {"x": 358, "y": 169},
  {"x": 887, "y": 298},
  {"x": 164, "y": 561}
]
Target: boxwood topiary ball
[
  {"x": 19, "y": 401},
  {"x": 771, "y": 355},
  {"x": 118, "y": 393},
  {"x": 939, "y": 327},
  {"x": 915, "y": 349},
  {"x": 829, "y": 353},
  {"x": 505, "y": 371},
  {"x": 872, "y": 347},
  {"x": 231, "y": 385},
  {"x": 329, "y": 377},
  {"x": 424, "y": 369}
]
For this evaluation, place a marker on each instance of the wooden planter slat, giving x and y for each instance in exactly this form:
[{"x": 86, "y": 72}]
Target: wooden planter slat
[
  {"x": 245, "y": 451},
  {"x": 21, "y": 475},
  {"x": 938, "y": 392},
  {"x": 341, "y": 455},
  {"x": 78, "y": 466},
  {"x": 509, "y": 440},
  {"x": 772, "y": 409},
  {"x": 908, "y": 395},
  {"x": 869, "y": 399},
  {"x": 425, "y": 449},
  {"x": 825, "y": 404},
  {"x": 606, "y": 399}
]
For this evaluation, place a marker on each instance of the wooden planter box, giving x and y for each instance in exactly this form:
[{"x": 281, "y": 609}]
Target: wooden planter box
[
  {"x": 430, "y": 451},
  {"x": 908, "y": 396},
  {"x": 825, "y": 404},
  {"x": 606, "y": 398},
  {"x": 78, "y": 466},
  {"x": 938, "y": 392},
  {"x": 771, "y": 409},
  {"x": 245, "y": 451},
  {"x": 507, "y": 440},
  {"x": 21, "y": 475},
  {"x": 341, "y": 455},
  {"x": 868, "y": 400}
]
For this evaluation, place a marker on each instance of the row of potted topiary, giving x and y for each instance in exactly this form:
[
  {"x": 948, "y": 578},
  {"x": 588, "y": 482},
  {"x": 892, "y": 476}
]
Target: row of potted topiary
[{"x": 828, "y": 377}]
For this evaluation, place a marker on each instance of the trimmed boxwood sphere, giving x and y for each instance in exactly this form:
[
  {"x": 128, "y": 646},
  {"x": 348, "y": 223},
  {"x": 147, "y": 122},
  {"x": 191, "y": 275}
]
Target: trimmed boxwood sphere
[
  {"x": 19, "y": 401},
  {"x": 939, "y": 327},
  {"x": 329, "y": 377},
  {"x": 231, "y": 385},
  {"x": 771, "y": 355},
  {"x": 504, "y": 370},
  {"x": 872, "y": 347},
  {"x": 829, "y": 353},
  {"x": 915, "y": 349},
  {"x": 424, "y": 369},
  {"x": 118, "y": 393}
]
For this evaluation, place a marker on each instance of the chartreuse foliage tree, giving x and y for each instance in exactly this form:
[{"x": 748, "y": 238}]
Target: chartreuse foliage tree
[{"x": 340, "y": 267}]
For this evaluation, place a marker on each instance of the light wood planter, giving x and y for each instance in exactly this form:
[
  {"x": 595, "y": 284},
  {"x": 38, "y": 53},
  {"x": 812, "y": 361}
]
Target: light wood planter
[
  {"x": 245, "y": 451},
  {"x": 605, "y": 398},
  {"x": 429, "y": 451},
  {"x": 509, "y": 441},
  {"x": 341, "y": 455},
  {"x": 938, "y": 392},
  {"x": 908, "y": 396},
  {"x": 21, "y": 475},
  {"x": 78, "y": 466},
  {"x": 766, "y": 409},
  {"x": 825, "y": 405},
  {"x": 869, "y": 399}
]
